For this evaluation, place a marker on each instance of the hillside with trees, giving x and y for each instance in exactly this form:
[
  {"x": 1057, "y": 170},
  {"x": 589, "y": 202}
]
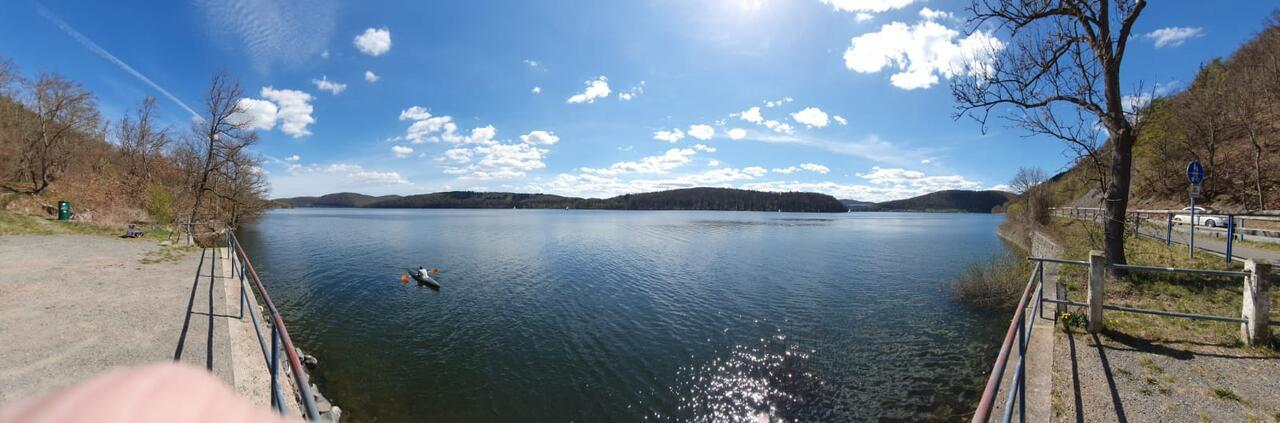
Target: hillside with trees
[
  {"x": 56, "y": 145},
  {"x": 723, "y": 199},
  {"x": 950, "y": 201}
]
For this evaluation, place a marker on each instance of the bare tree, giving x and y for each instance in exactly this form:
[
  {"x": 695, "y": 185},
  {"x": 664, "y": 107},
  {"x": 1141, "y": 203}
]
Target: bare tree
[
  {"x": 65, "y": 113},
  {"x": 1203, "y": 117},
  {"x": 1026, "y": 179},
  {"x": 1061, "y": 77},
  {"x": 222, "y": 133},
  {"x": 141, "y": 142}
]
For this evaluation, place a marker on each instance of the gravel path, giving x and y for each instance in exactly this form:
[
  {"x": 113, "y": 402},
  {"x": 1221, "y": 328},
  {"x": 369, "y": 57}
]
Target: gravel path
[
  {"x": 75, "y": 306},
  {"x": 1110, "y": 378}
]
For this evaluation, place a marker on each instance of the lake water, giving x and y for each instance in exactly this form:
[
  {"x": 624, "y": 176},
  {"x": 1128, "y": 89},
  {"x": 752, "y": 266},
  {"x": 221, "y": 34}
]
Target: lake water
[{"x": 556, "y": 315}]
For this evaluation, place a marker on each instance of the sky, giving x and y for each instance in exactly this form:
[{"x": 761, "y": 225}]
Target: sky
[{"x": 588, "y": 98}]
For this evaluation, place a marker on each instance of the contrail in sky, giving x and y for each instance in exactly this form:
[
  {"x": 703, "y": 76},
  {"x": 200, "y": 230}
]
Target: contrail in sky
[{"x": 85, "y": 41}]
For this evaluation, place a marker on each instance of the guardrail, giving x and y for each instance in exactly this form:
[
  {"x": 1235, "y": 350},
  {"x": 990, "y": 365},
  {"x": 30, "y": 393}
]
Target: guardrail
[
  {"x": 279, "y": 334},
  {"x": 1254, "y": 324},
  {"x": 1233, "y": 224},
  {"x": 1019, "y": 328}
]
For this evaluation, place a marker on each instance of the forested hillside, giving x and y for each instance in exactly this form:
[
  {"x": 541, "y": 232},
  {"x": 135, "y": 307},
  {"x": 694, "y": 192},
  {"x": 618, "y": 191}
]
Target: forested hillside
[
  {"x": 55, "y": 145},
  {"x": 682, "y": 199},
  {"x": 1227, "y": 117},
  {"x": 951, "y": 200}
]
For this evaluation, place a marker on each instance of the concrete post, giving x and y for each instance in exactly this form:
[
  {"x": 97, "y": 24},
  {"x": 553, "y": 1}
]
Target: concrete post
[
  {"x": 1256, "y": 307},
  {"x": 1097, "y": 275}
]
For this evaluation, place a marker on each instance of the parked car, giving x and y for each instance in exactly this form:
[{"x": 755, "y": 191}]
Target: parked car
[{"x": 1204, "y": 217}]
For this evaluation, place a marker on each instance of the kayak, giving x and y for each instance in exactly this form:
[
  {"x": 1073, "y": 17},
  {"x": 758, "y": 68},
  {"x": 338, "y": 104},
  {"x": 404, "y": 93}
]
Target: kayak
[{"x": 424, "y": 279}]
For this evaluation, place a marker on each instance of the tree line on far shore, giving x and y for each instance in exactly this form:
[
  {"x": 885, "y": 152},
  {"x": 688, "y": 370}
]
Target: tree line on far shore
[
  {"x": 680, "y": 199},
  {"x": 56, "y": 144}
]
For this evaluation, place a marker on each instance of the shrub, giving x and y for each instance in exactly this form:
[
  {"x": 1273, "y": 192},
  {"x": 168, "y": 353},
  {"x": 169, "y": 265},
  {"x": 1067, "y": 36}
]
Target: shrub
[
  {"x": 159, "y": 203},
  {"x": 995, "y": 283}
]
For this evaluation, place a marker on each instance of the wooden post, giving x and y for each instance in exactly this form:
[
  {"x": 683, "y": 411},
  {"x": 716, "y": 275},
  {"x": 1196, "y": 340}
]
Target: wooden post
[
  {"x": 1097, "y": 276},
  {"x": 1256, "y": 307}
]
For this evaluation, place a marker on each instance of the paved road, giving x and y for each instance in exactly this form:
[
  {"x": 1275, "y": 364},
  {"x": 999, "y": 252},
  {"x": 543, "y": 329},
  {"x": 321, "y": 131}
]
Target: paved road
[
  {"x": 75, "y": 306},
  {"x": 1214, "y": 245}
]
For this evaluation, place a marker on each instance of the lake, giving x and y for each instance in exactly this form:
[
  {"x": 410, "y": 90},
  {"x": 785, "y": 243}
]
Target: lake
[{"x": 559, "y": 315}]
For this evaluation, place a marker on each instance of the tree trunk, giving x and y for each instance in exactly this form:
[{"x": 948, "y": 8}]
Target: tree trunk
[
  {"x": 1116, "y": 202},
  {"x": 1257, "y": 168}
]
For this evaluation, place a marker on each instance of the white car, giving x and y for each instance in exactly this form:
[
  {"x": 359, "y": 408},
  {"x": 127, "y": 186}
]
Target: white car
[{"x": 1204, "y": 217}]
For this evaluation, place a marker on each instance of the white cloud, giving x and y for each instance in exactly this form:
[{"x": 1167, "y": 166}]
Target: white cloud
[
  {"x": 779, "y": 127},
  {"x": 324, "y": 54},
  {"x": 483, "y": 135},
  {"x": 704, "y": 148},
  {"x": 256, "y": 114},
  {"x": 921, "y": 53},
  {"x": 752, "y": 115},
  {"x": 631, "y": 93},
  {"x": 401, "y": 151},
  {"x": 374, "y": 42},
  {"x": 433, "y": 129},
  {"x": 840, "y": 120},
  {"x": 596, "y": 88},
  {"x": 815, "y": 168},
  {"x": 458, "y": 155},
  {"x": 669, "y": 136},
  {"x": 931, "y": 14},
  {"x": 702, "y": 132},
  {"x": 1001, "y": 187},
  {"x": 371, "y": 77},
  {"x": 713, "y": 163},
  {"x": 532, "y": 63},
  {"x": 812, "y": 167},
  {"x": 671, "y": 160},
  {"x": 1173, "y": 36},
  {"x": 811, "y": 117},
  {"x": 504, "y": 161},
  {"x": 874, "y": 6},
  {"x": 536, "y": 90},
  {"x": 861, "y": 17},
  {"x": 295, "y": 110},
  {"x": 347, "y": 173},
  {"x": 776, "y": 103},
  {"x": 737, "y": 133},
  {"x": 269, "y": 33},
  {"x": 324, "y": 84},
  {"x": 292, "y": 158},
  {"x": 539, "y": 138}
]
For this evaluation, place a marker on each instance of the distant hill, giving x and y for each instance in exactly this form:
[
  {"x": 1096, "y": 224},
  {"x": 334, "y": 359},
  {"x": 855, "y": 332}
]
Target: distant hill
[
  {"x": 859, "y": 205},
  {"x": 725, "y": 199},
  {"x": 950, "y": 201}
]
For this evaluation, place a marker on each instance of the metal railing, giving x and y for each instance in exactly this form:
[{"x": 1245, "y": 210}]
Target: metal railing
[
  {"x": 242, "y": 269},
  {"x": 1020, "y": 329},
  {"x": 1232, "y": 224},
  {"x": 1033, "y": 296}
]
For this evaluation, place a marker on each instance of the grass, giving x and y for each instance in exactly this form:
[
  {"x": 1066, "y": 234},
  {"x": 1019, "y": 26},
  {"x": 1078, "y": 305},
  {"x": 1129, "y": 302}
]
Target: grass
[
  {"x": 1226, "y": 394},
  {"x": 168, "y": 253},
  {"x": 19, "y": 224},
  {"x": 1218, "y": 296}
]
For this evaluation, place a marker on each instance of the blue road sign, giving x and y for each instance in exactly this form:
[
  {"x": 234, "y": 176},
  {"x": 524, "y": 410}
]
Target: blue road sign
[{"x": 1195, "y": 172}]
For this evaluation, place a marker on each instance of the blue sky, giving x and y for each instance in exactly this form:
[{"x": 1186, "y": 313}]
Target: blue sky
[{"x": 410, "y": 97}]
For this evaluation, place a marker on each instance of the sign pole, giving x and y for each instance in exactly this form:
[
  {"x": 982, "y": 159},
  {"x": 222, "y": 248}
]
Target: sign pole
[
  {"x": 1195, "y": 175},
  {"x": 1191, "y": 247}
]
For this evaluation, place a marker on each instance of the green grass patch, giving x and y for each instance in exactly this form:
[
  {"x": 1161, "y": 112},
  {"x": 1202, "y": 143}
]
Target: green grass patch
[
  {"x": 1219, "y": 296},
  {"x": 1226, "y": 394},
  {"x": 19, "y": 224},
  {"x": 168, "y": 253}
]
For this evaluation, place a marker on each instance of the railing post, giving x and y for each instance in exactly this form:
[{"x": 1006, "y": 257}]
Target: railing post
[
  {"x": 1256, "y": 307},
  {"x": 1168, "y": 231},
  {"x": 1022, "y": 368},
  {"x": 1097, "y": 276},
  {"x": 275, "y": 366},
  {"x": 1231, "y": 235}
]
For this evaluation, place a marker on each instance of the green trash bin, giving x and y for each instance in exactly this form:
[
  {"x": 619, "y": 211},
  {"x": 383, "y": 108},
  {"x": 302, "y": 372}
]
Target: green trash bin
[{"x": 64, "y": 210}]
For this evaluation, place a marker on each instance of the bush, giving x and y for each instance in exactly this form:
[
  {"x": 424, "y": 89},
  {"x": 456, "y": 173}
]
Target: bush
[
  {"x": 159, "y": 203},
  {"x": 995, "y": 283}
]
